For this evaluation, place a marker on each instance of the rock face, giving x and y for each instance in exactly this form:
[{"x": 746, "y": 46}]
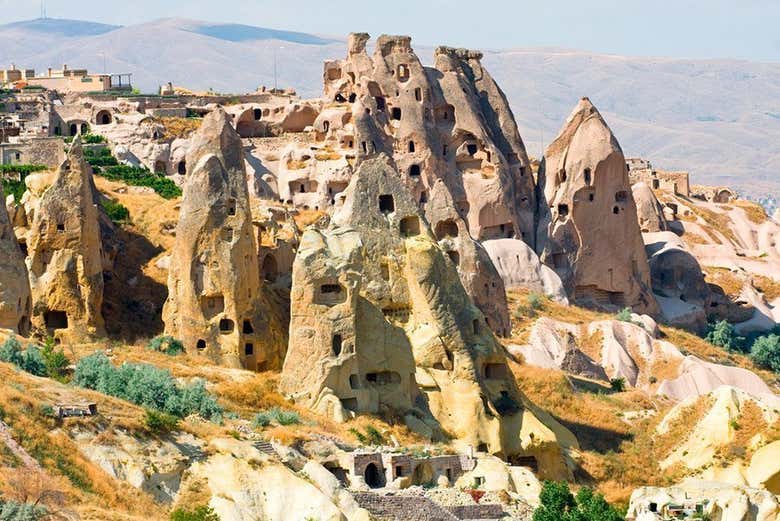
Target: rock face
[
  {"x": 520, "y": 267},
  {"x": 588, "y": 229},
  {"x": 720, "y": 500},
  {"x": 453, "y": 138},
  {"x": 15, "y": 300},
  {"x": 65, "y": 254},
  {"x": 649, "y": 211},
  {"x": 677, "y": 280},
  {"x": 216, "y": 304},
  {"x": 381, "y": 323}
]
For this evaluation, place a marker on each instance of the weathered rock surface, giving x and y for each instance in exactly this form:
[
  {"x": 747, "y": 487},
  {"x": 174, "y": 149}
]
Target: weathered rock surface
[
  {"x": 649, "y": 211},
  {"x": 677, "y": 280},
  {"x": 15, "y": 300},
  {"x": 719, "y": 500},
  {"x": 216, "y": 303},
  {"x": 65, "y": 253},
  {"x": 588, "y": 229},
  {"x": 520, "y": 267},
  {"x": 381, "y": 323}
]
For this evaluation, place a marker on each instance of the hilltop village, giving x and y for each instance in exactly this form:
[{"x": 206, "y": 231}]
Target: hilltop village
[{"x": 374, "y": 305}]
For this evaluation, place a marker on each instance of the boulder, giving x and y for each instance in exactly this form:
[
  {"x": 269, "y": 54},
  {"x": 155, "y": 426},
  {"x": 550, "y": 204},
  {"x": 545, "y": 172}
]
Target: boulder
[{"x": 520, "y": 267}]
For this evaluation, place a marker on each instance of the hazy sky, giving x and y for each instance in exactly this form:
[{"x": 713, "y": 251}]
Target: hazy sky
[{"x": 679, "y": 28}]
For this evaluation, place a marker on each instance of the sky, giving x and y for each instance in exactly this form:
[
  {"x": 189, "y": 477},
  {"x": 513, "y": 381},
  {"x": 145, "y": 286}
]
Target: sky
[{"x": 744, "y": 29}]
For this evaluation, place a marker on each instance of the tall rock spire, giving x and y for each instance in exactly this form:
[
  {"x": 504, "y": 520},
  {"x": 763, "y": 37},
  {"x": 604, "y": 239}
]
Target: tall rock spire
[
  {"x": 588, "y": 231},
  {"x": 65, "y": 254},
  {"x": 215, "y": 305},
  {"x": 15, "y": 302}
]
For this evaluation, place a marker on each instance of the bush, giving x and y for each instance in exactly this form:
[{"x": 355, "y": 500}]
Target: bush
[
  {"x": 33, "y": 362},
  {"x": 117, "y": 212},
  {"x": 16, "y": 187},
  {"x": 766, "y": 352},
  {"x": 30, "y": 360},
  {"x": 201, "y": 513},
  {"x": 535, "y": 301},
  {"x": 371, "y": 437},
  {"x": 624, "y": 315},
  {"x": 557, "y": 503},
  {"x": 92, "y": 139},
  {"x": 159, "y": 422},
  {"x": 147, "y": 386},
  {"x": 618, "y": 384},
  {"x": 166, "y": 344},
  {"x": 261, "y": 419},
  {"x": 722, "y": 335},
  {"x": 11, "y": 351},
  {"x": 14, "y": 511},
  {"x": 142, "y": 177},
  {"x": 55, "y": 360}
]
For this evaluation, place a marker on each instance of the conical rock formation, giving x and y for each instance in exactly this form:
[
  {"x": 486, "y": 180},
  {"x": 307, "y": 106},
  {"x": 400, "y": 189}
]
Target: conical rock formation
[
  {"x": 215, "y": 301},
  {"x": 65, "y": 254},
  {"x": 381, "y": 323},
  {"x": 15, "y": 302},
  {"x": 588, "y": 231}
]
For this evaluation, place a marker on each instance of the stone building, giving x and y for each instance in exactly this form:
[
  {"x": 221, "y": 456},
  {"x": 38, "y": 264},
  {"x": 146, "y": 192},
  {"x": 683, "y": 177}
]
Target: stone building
[
  {"x": 640, "y": 170},
  {"x": 381, "y": 323},
  {"x": 216, "y": 303},
  {"x": 588, "y": 228}
]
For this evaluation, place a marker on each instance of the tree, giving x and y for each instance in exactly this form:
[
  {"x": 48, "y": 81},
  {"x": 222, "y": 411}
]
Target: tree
[
  {"x": 722, "y": 334},
  {"x": 557, "y": 503},
  {"x": 56, "y": 361},
  {"x": 201, "y": 513},
  {"x": 766, "y": 352},
  {"x": 11, "y": 351}
]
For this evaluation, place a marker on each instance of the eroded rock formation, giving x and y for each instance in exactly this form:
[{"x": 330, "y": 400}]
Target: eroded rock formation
[
  {"x": 15, "y": 301},
  {"x": 216, "y": 303},
  {"x": 588, "y": 230},
  {"x": 381, "y": 323},
  {"x": 65, "y": 254}
]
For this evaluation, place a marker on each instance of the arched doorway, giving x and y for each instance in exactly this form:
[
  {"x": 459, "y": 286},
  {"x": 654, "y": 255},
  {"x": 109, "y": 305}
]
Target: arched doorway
[
  {"x": 103, "y": 117},
  {"x": 84, "y": 129},
  {"x": 373, "y": 477},
  {"x": 74, "y": 129}
]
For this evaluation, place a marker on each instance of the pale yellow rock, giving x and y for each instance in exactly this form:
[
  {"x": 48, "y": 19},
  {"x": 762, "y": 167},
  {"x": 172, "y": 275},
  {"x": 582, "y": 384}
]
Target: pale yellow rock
[
  {"x": 764, "y": 469},
  {"x": 65, "y": 254},
  {"x": 216, "y": 303}
]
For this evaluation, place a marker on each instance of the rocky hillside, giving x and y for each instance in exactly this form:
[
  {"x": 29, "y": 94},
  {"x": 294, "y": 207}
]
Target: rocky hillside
[{"x": 689, "y": 114}]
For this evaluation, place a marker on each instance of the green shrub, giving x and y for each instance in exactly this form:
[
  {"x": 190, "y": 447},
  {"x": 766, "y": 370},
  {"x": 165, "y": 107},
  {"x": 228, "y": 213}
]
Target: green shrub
[
  {"x": 159, "y": 422},
  {"x": 117, "y": 212},
  {"x": 618, "y": 384},
  {"x": 722, "y": 334},
  {"x": 142, "y": 177},
  {"x": 166, "y": 344},
  {"x": 624, "y": 315},
  {"x": 147, "y": 386},
  {"x": 371, "y": 437},
  {"x": 32, "y": 361},
  {"x": 16, "y": 187},
  {"x": 11, "y": 351},
  {"x": 261, "y": 419},
  {"x": 765, "y": 352},
  {"x": 14, "y": 511},
  {"x": 55, "y": 360},
  {"x": 22, "y": 170},
  {"x": 557, "y": 503},
  {"x": 535, "y": 301},
  {"x": 92, "y": 139},
  {"x": 201, "y": 513}
]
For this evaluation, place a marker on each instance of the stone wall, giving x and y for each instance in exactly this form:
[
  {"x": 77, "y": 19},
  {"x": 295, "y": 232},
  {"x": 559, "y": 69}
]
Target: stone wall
[{"x": 37, "y": 151}]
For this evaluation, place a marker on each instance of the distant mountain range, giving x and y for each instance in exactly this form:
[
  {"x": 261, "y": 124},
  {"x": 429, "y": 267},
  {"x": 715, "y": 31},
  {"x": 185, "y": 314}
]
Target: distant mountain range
[{"x": 719, "y": 119}]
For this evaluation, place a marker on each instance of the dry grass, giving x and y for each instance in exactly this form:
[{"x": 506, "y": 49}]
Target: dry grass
[
  {"x": 754, "y": 211},
  {"x": 718, "y": 221},
  {"x": 80, "y": 481},
  {"x": 768, "y": 286},
  {"x": 730, "y": 283},
  {"x": 180, "y": 127},
  {"x": 305, "y": 218},
  {"x": 591, "y": 344},
  {"x": 327, "y": 155},
  {"x": 296, "y": 164}
]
